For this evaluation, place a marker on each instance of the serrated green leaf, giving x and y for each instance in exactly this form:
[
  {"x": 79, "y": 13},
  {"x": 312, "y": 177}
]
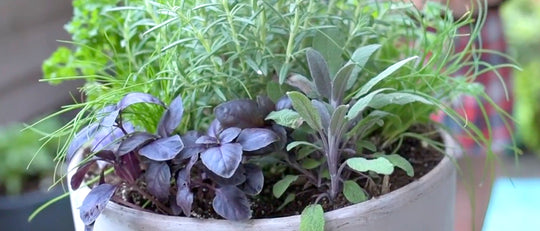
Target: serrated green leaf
[
  {"x": 290, "y": 198},
  {"x": 399, "y": 98},
  {"x": 387, "y": 72},
  {"x": 309, "y": 163},
  {"x": 362, "y": 103},
  {"x": 379, "y": 165},
  {"x": 312, "y": 218},
  {"x": 297, "y": 143},
  {"x": 307, "y": 111},
  {"x": 401, "y": 162},
  {"x": 286, "y": 117},
  {"x": 353, "y": 192},
  {"x": 360, "y": 58},
  {"x": 281, "y": 186}
]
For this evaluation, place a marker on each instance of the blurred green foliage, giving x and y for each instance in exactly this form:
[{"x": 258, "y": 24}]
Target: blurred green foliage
[
  {"x": 522, "y": 26},
  {"x": 20, "y": 164}
]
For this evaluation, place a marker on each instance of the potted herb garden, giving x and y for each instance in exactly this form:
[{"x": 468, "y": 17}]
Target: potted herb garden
[{"x": 276, "y": 115}]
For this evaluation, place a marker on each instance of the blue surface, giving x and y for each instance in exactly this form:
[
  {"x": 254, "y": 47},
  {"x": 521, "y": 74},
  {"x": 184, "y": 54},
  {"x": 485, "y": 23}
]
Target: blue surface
[{"x": 514, "y": 205}]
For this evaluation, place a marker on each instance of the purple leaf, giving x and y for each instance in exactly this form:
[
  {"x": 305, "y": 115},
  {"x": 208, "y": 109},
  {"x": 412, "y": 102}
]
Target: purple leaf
[
  {"x": 242, "y": 113},
  {"x": 284, "y": 103},
  {"x": 265, "y": 105},
  {"x": 190, "y": 146},
  {"x": 223, "y": 160},
  {"x": 323, "y": 112},
  {"x": 106, "y": 155},
  {"x": 108, "y": 114},
  {"x": 184, "y": 196},
  {"x": 80, "y": 139},
  {"x": 237, "y": 178},
  {"x": 163, "y": 149},
  {"x": 137, "y": 97},
  {"x": 229, "y": 134},
  {"x": 95, "y": 202},
  {"x": 133, "y": 141},
  {"x": 128, "y": 168},
  {"x": 207, "y": 140},
  {"x": 254, "y": 179},
  {"x": 107, "y": 136},
  {"x": 175, "y": 209},
  {"x": 231, "y": 203},
  {"x": 79, "y": 175},
  {"x": 215, "y": 128},
  {"x": 171, "y": 118},
  {"x": 253, "y": 139},
  {"x": 158, "y": 178}
]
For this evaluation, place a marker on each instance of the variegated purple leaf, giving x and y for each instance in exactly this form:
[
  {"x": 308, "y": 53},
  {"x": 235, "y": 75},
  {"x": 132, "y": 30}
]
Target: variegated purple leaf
[
  {"x": 254, "y": 179},
  {"x": 237, "y": 178},
  {"x": 81, "y": 138},
  {"x": 171, "y": 118},
  {"x": 253, "y": 139},
  {"x": 184, "y": 196},
  {"x": 158, "y": 178},
  {"x": 95, "y": 202},
  {"x": 231, "y": 203},
  {"x": 163, "y": 149},
  {"x": 190, "y": 146},
  {"x": 137, "y": 97},
  {"x": 223, "y": 160},
  {"x": 79, "y": 175},
  {"x": 229, "y": 134},
  {"x": 133, "y": 141},
  {"x": 241, "y": 113}
]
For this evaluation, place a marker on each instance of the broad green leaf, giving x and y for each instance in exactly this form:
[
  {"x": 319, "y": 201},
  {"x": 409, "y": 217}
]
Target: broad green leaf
[
  {"x": 367, "y": 145},
  {"x": 401, "y": 162},
  {"x": 362, "y": 103},
  {"x": 339, "y": 83},
  {"x": 309, "y": 163},
  {"x": 352, "y": 192},
  {"x": 273, "y": 90},
  {"x": 329, "y": 42},
  {"x": 290, "y": 198},
  {"x": 305, "y": 143},
  {"x": 387, "y": 72},
  {"x": 360, "y": 58},
  {"x": 281, "y": 186},
  {"x": 319, "y": 72},
  {"x": 283, "y": 71},
  {"x": 379, "y": 165},
  {"x": 286, "y": 117},
  {"x": 338, "y": 121},
  {"x": 303, "y": 106},
  {"x": 399, "y": 98},
  {"x": 312, "y": 218}
]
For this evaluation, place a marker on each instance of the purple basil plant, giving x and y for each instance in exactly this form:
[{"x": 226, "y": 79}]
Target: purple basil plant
[{"x": 165, "y": 167}]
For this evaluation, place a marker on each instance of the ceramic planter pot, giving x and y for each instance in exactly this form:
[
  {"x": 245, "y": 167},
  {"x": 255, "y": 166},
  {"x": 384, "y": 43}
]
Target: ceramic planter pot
[{"x": 426, "y": 204}]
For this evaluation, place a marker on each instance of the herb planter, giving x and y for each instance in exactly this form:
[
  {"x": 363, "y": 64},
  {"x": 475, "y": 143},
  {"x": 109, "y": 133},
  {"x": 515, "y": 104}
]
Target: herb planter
[{"x": 425, "y": 204}]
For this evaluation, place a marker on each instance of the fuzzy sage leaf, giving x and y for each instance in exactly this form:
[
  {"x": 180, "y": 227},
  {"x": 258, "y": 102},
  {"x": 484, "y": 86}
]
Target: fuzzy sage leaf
[
  {"x": 379, "y": 165},
  {"x": 282, "y": 185},
  {"x": 312, "y": 218},
  {"x": 319, "y": 71},
  {"x": 353, "y": 192},
  {"x": 304, "y": 107}
]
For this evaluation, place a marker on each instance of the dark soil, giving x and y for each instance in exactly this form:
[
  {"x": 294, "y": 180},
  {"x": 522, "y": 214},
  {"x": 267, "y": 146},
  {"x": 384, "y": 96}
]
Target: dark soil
[{"x": 423, "y": 158}]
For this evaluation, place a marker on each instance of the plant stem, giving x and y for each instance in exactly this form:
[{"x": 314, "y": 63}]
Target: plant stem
[
  {"x": 158, "y": 204},
  {"x": 385, "y": 184}
]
